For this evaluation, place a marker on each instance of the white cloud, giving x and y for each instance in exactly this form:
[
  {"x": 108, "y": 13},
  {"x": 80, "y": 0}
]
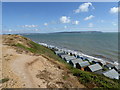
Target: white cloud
[
  {"x": 76, "y": 22},
  {"x": 65, "y": 27},
  {"x": 90, "y": 25},
  {"x": 65, "y": 19},
  {"x": 114, "y": 10},
  {"x": 84, "y": 7},
  {"x": 45, "y": 24},
  {"x": 29, "y": 26},
  {"x": 89, "y": 17},
  {"x": 10, "y": 30}
]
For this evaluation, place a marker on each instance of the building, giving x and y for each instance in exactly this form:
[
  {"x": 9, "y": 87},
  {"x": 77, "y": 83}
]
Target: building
[
  {"x": 90, "y": 60},
  {"x": 111, "y": 74},
  {"x": 68, "y": 58},
  {"x": 109, "y": 66},
  {"x": 75, "y": 61},
  {"x": 102, "y": 63},
  {"x": 63, "y": 56},
  {"x": 117, "y": 68},
  {"x": 58, "y": 52},
  {"x": 94, "y": 68},
  {"x": 94, "y": 61},
  {"x": 84, "y": 57},
  {"x": 82, "y": 64}
]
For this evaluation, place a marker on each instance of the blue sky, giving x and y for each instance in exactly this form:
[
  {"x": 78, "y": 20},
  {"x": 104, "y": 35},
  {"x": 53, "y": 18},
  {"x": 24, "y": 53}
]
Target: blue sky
[{"x": 46, "y": 17}]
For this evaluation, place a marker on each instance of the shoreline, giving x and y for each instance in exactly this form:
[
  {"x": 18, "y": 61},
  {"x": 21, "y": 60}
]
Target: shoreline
[{"x": 77, "y": 53}]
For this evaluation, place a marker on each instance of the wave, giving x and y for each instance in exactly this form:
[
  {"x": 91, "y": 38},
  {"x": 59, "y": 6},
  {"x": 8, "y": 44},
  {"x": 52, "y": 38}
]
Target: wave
[{"x": 76, "y": 52}]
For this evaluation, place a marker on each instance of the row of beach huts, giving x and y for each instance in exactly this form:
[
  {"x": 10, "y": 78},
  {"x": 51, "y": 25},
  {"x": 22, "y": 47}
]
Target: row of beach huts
[{"x": 86, "y": 63}]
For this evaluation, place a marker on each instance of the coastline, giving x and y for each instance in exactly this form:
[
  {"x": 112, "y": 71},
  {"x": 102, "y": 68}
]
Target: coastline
[
  {"x": 42, "y": 68},
  {"x": 77, "y": 53}
]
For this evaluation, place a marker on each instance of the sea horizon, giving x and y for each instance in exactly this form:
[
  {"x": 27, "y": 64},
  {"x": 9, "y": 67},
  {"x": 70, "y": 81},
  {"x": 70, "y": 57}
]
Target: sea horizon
[{"x": 101, "y": 45}]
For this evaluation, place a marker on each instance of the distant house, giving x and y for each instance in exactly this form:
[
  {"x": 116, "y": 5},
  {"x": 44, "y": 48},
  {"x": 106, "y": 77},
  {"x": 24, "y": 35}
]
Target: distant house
[
  {"x": 58, "y": 52},
  {"x": 111, "y": 74},
  {"x": 68, "y": 58},
  {"x": 75, "y": 61},
  {"x": 109, "y": 66},
  {"x": 94, "y": 68},
  {"x": 90, "y": 60},
  {"x": 94, "y": 61},
  {"x": 63, "y": 56},
  {"x": 84, "y": 57},
  {"x": 82, "y": 64},
  {"x": 117, "y": 68},
  {"x": 102, "y": 63}
]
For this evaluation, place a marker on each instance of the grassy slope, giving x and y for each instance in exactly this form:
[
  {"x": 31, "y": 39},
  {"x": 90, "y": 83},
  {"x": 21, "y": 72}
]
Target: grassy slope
[{"x": 87, "y": 78}]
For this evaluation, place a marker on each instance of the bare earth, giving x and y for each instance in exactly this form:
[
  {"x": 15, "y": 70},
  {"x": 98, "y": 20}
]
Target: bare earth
[{"x": 26, "y": 70}]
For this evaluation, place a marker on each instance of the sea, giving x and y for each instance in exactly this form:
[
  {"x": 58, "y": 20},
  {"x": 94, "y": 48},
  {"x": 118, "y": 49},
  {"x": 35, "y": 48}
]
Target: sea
[{"x": 100, "y": 45}]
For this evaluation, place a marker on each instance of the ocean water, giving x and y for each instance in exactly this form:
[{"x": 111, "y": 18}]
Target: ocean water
[{"x": 101, "y": 45}]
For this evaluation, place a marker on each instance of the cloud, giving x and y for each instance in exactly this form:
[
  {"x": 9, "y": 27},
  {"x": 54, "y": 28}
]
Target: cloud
[
  {"x": 76, "y": 22},
  {"x": 29, "y": 26},
  {"x": 10, "y": 30},
  {"x": 90, "y": 25},
  {"x": 84, "y": 7},
  {"x": 114, "y": 24},
  {"x": 65, "y": 19},
  {"x": 89, "y": 17},
  {"x": 114, "y": 10},
  {"x": 45, "y": 24},
  {"x": 65, "y": 27}
]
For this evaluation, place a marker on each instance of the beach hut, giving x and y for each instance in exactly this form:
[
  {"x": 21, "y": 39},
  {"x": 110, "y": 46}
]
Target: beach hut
[
  {"x": 109, "y": 66},
  {"x": 63, "y": 56},
  {"x": 90, "y": 60},
  {"x": 82, "y": 64},
  {"x": 111, "y": 74},
  {"x": 75, "y": 61},
  {"x": 84, "y": 57},
  {"x": 94, "y": 68},
  {"x": 102, "y": 63},
  {"x": 95, "y": 61},
  {"x": 68, "y": 58},
  {"x": 117, "y": 68},
  {"x": 58, "y": 52}
]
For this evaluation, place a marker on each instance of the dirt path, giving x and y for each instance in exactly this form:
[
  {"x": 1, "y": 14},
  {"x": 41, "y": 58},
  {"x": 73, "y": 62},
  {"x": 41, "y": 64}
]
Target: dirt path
[{"x": 26, "y": 70}]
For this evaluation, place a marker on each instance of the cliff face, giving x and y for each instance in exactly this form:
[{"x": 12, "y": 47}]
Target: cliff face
[{"x": 29, "y": 65}]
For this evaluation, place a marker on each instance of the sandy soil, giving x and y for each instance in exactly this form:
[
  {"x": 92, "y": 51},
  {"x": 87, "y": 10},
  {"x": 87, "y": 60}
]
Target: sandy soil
[{"x": 25, "y": 70}]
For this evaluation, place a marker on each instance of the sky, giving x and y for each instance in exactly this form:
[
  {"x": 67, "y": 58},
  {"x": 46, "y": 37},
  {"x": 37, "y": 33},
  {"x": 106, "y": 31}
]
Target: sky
[{"x": 48, "y": 17}]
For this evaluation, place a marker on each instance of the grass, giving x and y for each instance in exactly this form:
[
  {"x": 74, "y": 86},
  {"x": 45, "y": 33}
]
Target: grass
[
  {"x": 4, "y": 80},
  {"x": 95, "y": 79},
  {"x": 87, "y": 78}
]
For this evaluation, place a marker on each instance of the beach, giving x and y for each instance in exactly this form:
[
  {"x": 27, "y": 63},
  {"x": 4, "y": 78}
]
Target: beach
[{"x": 98, "y": 45}]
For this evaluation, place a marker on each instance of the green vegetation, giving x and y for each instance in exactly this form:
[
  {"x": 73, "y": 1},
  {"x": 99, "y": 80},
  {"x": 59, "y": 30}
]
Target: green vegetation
[
  {"x": 65, "y": 77},
  {"x": 39, "y": 49},
  {"x": 94, "y": 79},
  {"x": 87, "y": 78},
  {"x": 4, "y": 80}
]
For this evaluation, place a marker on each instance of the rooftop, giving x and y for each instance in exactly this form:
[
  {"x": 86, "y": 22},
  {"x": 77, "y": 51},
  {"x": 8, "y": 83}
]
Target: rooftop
[
  {"x": 111, "y": 74},
  {"x": 95, "y": 67},
  {"x": 110, "y": 65},
  {"x": 69, "y": 58},
  {"x": 76, "y": 61},
  {"x": 58, "y": 52},
  {"x": 84, "y": 63}
]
